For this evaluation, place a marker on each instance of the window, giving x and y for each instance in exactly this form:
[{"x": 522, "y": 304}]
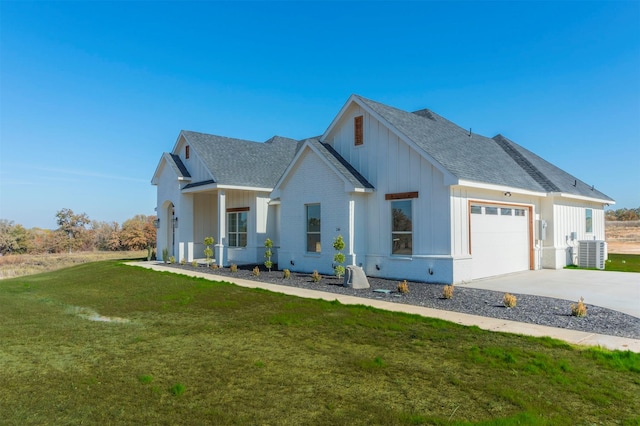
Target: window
[
  {"x": 491, "y": 210},
  {"x": 186, "y": 152},
  {"x": 401, "y": 228},
  {"x": 588, "y": 220},
  {"x": 313, "y": 228},
  {"x": 237, "y": 229},
  {"x": 358, "y": 132},
  {"x": 476, "y": 209},
  {"x": 505, "y": 211},
  {"x": 519, "y": 212}
]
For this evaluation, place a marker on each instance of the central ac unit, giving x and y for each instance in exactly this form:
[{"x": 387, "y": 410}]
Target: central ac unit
[{"x": 592, "y": 254}]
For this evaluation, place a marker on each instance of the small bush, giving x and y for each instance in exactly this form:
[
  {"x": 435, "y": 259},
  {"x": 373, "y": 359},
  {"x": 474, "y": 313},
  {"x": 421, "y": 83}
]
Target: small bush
[
  {"x": 579, "y": 309},
  {"x": 509, "y": 300},
  {"x": 145, "y": 378},
  {"x": 316, "y": 277},
  {"x": 214, "y": 266},
  {"x": 208, "y": 252},
  {"x": 165, "y": 255},
  {"x": 286, "y": 274},
  {"x": 338, "y": 258},
  {"x": 403, "y": 287},
  {"x": 172, "y": 259},
  {"x": 256, "y": 272},
  {"x": 177, "y": 389},
  {"x": 183, "y": 261},
  {"x": 268, "y": 244},
  {"x": 233, "y": 267},
  {"x": 447, "y": 291},
  {"x": 194, "y": 263}
]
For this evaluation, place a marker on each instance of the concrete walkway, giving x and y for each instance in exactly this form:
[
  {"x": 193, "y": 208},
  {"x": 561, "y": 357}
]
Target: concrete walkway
[
  {"x": 619, "y": 291},
  {"x": 492, "y": 324}
]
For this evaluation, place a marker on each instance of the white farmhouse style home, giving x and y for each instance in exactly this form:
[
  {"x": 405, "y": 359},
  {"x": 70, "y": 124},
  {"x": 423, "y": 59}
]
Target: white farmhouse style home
[{"x": 414, "y": 196}]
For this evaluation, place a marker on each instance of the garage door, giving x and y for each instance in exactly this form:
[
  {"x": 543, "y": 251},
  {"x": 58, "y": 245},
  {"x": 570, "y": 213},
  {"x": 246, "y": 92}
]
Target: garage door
[{"x": 499, "y": 239}]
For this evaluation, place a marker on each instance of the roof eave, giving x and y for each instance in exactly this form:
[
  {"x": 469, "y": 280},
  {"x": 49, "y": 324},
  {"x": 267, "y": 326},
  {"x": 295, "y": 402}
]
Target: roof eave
[
  {"x": 582, "y": 198},
  {"x": 500, "y": 188},
  {"x": 217, "y": 186}
]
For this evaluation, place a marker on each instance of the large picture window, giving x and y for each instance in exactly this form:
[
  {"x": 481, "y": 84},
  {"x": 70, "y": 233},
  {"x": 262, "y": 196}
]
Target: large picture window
[
  {"x": 588, "y": 222},
  {"x": 237, "y": 229},
  {"x": 401, "y": 228},
  {"x": 313, "y": 228}
]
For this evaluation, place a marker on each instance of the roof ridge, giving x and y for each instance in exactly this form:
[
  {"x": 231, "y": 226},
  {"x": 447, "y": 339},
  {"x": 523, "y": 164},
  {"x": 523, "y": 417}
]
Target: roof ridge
[{"x": 525, "y": 164}]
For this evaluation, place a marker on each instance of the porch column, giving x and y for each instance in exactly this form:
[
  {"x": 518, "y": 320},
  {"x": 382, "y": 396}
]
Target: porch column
[
  {"x": 222, "y": 219},
  {"x": 352, "y": 233}
]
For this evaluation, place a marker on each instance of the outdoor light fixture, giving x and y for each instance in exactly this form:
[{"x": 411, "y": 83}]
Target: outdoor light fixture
[
  {"x": 175, "y": 222},
  {"x": 507, "y": 194},
  {"x": 378, "y": 267},
  {"x": 156, "y": 223},
  {"x": 292, "y": 262}
]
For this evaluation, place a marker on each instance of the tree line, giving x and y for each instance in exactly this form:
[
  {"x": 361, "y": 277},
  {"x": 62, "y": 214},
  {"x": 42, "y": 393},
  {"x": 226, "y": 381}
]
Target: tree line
[
  {"x": 76, "y": 232},
  {"x": 623, "y": 214}
]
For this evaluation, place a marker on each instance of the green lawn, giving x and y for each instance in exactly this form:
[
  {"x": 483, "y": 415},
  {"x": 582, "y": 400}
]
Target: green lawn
[
  {"x": 623, "y": 263},
  {"x": 617, "y": 262},
  {"x": 181, "y": 350}
]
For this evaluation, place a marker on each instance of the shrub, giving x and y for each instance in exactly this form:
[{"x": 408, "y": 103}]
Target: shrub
[
  {"x": 165, "y": 255},
  {"x": 316, "y": 277},
  {"x": 213, "y": 266},
  {"x": 447, "y": 291},
  {"x": 145, "y": 378},
  {"x": 403, "y": 287},
  {"x": 267, "y": 254},
  {"x": 579, "y": 309},
  {"x": 287, "y": 274},
  {"x": 509, "y": 300},
  {"x": 194, "y": 263},
  {"x": 233, "y": 267},
  {"x": 183, "y": 261},
  {"x": 208, "y": 252},
  {"x": 256, "y": 271},
  {"x": 338, "y": 258},
  {"x": 177, "y": 389},
  {"x": 172, "y": 259}
]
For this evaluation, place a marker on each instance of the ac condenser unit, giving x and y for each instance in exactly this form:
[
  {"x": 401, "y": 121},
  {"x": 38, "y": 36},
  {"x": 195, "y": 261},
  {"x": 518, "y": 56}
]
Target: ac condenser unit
[{"x": 592, "y": 254}]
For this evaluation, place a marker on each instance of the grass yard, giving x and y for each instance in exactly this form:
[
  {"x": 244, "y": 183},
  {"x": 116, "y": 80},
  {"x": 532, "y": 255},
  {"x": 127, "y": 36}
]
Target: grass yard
[
  {"x": 106, "y": 343},
  {"x": 18, "y": 265},
  {"x": 617, "y": 263},
  {"x": 623, "y": 262}
]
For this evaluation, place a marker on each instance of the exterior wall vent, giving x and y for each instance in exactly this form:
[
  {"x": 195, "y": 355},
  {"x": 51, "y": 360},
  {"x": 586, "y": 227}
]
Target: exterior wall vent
[{"x": 592, "y": 254}]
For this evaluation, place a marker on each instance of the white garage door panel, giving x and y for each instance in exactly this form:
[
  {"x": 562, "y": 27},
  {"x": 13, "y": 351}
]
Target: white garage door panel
[{"x": 499, "y": 242}]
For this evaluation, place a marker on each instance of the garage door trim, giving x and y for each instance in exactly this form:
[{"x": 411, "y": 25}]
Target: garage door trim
[{"x": 512, "y": 205}]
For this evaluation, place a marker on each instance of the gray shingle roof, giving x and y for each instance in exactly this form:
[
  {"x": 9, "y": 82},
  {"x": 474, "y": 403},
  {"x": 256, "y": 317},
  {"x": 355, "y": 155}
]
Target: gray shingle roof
[
  {"x": 240, "y": 162},
  {"x": 177, "y": 165},
  {"x": 343, "y": 167},
  {"x": 473, "y": 157}
]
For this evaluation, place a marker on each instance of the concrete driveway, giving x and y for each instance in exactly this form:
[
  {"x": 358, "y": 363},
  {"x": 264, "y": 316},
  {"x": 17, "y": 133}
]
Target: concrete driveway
[{"x": 619, "y": 291}]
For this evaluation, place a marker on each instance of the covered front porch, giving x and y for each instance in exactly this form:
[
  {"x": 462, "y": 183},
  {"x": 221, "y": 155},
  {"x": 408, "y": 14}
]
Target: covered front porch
[{"x": 238, "y": 219}]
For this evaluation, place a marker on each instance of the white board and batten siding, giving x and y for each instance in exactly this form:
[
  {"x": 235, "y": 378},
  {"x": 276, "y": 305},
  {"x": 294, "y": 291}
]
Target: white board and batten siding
[
  {"x": 392, "y": 166},
  {"x": 567, "y": 219},
  {"x": 197, "y": 169},
  {"x": 312, "y": 182}
]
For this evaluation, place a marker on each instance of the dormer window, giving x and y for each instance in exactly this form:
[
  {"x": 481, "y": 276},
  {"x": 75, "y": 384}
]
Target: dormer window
[
  {"x": 358, "y": 132},
  {"x": 186, "y": 152}
]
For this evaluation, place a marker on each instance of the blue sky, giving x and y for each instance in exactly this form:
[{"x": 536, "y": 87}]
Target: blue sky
[{"x": 91, "y": 93}]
